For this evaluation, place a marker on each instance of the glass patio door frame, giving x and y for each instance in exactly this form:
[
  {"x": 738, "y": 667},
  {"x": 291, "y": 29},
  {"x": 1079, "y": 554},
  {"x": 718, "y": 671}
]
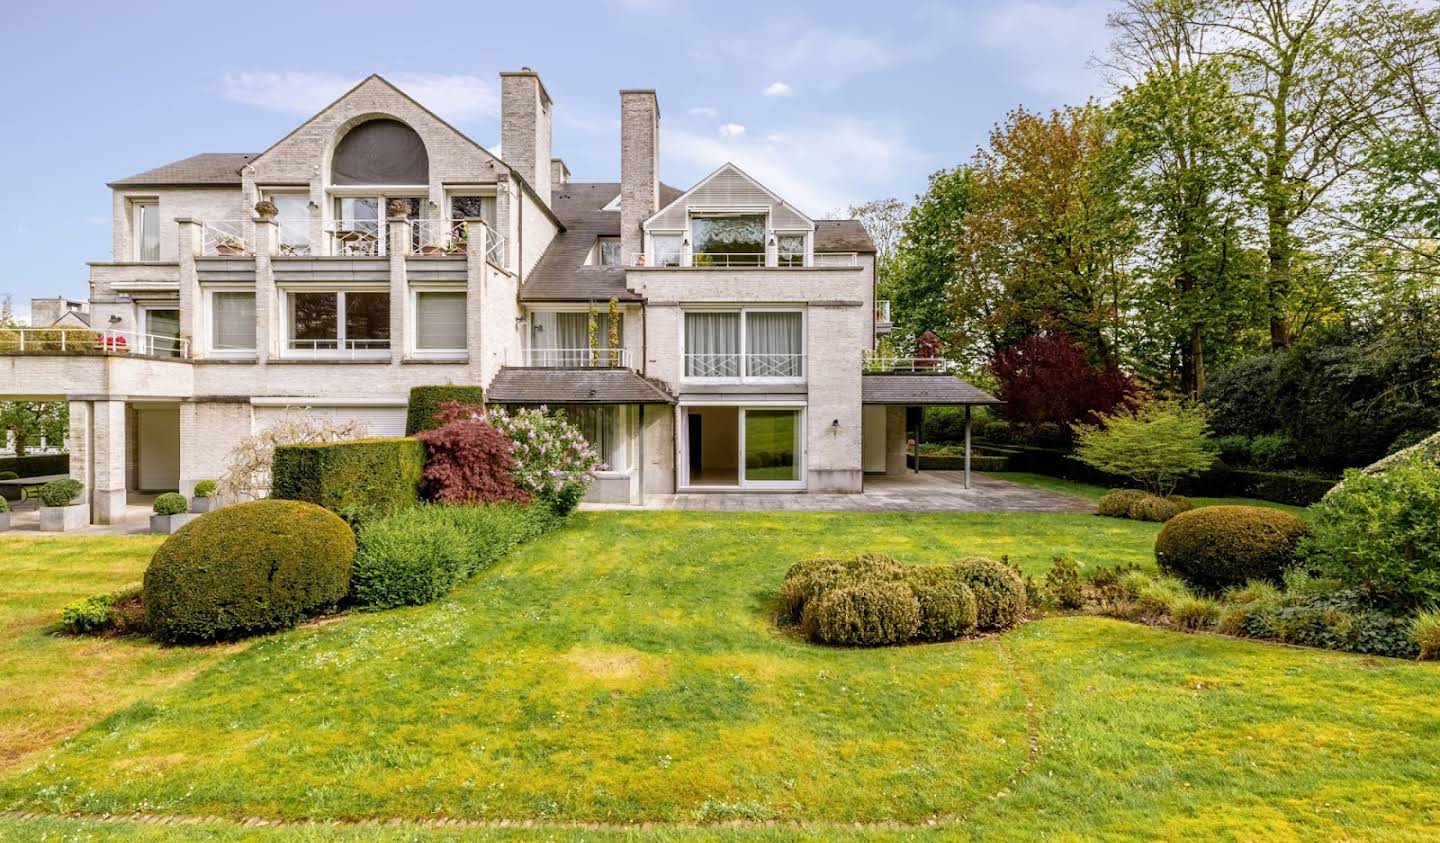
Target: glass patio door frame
[{"x": 683, "y": 447}]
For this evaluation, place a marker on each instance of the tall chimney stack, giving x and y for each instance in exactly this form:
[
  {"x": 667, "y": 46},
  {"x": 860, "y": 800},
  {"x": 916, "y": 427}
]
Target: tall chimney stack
[
  {"x": 639, "y": 168},
  {"x": 525, "y": 127}
]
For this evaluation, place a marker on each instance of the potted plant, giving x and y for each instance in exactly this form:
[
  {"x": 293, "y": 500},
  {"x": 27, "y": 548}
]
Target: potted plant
[
  {"x": 441, "y": 248},
  {"x": 4, "y": 515},
  {"x": 170, "y": 514},
  {"x": 203, "y": 498},
  {"x": 229, "y": 244},
  {"x": 61, "y": 506}
]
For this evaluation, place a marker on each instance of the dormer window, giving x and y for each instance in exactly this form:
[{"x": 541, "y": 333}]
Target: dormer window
[
  {"x": 790, "y": 250},
  {"x": 146, "y": 218},
  {"x": 607, "y": 251}
]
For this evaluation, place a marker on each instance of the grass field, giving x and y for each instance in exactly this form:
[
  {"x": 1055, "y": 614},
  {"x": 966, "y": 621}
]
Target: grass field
[{"x": 624, "y": 670}]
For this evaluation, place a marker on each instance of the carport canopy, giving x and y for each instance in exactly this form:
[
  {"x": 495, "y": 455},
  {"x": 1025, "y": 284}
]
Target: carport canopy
[{"x": 926, "y": 389}]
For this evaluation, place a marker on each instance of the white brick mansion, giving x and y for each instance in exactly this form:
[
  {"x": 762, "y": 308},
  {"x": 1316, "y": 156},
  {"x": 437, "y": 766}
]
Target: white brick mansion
[{"x": 376, "y": 248}]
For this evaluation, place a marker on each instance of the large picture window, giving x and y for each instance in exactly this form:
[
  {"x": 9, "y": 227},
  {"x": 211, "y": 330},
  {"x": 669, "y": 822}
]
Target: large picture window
[
  {"x": 562, "y": 339},
  {"x": 728, "y": 240},
  {"x": 745, "y": 344},
  {"x": 346, "y": 324}
]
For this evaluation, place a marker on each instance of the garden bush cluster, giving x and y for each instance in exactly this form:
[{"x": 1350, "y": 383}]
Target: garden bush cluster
[
  {"x": 873, "y": 600},
  {"x": 1140, "y": 505}
]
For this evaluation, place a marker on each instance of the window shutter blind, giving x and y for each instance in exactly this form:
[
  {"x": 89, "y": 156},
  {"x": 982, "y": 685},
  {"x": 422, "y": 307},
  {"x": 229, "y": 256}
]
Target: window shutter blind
[{"x": 440, "y": 320}]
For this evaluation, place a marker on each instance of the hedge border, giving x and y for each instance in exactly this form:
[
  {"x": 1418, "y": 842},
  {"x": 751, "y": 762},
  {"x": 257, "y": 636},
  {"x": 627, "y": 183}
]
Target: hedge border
[{"x": 425, "y": 402}]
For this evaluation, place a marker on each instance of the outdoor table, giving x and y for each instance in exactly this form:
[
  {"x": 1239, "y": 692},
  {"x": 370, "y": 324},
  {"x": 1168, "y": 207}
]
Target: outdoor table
[{"x": 28, "y": 484}]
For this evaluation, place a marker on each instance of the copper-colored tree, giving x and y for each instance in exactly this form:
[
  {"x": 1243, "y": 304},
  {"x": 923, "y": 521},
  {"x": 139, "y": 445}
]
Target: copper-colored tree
[{"x": 467, "y": 459}]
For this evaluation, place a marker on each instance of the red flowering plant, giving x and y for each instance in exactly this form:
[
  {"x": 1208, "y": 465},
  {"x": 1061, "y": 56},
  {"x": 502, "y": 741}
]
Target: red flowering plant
[
  {"x": 468, "y": 459},
  {"x": 553, "y": 461}
]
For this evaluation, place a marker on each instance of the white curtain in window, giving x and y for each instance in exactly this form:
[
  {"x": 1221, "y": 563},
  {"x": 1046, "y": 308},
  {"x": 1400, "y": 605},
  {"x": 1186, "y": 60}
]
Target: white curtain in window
[
  {"x": 712, "y": 345},
  {"x": 564, "y": 338},
  {"x": 773, "y": 345},
  {"x": 147, "y": 231},
  {"x": 232, "y": 319},
  {"x": 667, "y": 249},
  {"x": 439, "y": 321},
  {"x": 603, "y": 427}
]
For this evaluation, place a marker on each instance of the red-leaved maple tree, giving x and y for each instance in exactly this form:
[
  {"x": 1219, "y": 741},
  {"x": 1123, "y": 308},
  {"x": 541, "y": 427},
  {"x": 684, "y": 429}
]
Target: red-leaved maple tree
[
  {"x": 468, "y": 460},
  {"x": 1046, "y": 379}
]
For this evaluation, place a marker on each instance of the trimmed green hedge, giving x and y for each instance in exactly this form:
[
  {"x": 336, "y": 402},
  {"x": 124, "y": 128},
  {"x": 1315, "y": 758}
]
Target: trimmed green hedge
[
  {"x": 419, "y": 555},
  {"x": 360, "y": 480},
  {"x": 248, "y": 568},
  {"x": 1292, "y": 487},
  {"x": 36, "y": 465},
  {"x": 978, "y": 462},
  {"x": 425, "y": 402}
]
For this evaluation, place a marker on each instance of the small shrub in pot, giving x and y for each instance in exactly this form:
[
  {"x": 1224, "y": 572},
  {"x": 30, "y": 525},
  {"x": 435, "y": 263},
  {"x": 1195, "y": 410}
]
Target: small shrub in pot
[
  {"x": 62, "y": 492},
  {"x": 170, "y": 503}
]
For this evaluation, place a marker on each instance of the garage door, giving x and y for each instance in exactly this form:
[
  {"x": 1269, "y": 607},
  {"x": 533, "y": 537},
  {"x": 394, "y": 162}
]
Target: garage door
[{"x": 379, "y": 421}]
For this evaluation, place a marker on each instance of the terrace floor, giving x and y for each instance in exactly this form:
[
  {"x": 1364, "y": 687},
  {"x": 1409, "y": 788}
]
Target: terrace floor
[
  {"x": 928, "y": 491},
  {"x": 25, "y": 518}
]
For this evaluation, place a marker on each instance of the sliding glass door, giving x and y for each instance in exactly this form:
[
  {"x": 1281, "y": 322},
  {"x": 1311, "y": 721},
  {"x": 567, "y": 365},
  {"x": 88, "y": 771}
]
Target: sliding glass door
[
  {"x": 772, "y": 446},
  {"x": 734, "y": 447}
]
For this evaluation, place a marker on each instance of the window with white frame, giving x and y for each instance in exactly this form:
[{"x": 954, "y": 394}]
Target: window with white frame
[
  {"x": 232, "y": 322},
  {"x": 470, "y": 207},
  {"x": 667, "y": 249},
  {"x": 606, "y": 428},
  {"x": 440, "y": 322},
  {"x": 762, "y": 344},
  {"x": 293, "y": 221},
  {"x": 607, "y": 251},
  {"x": 562, "y": 339},
  {"x": 349, "y": 323},
  {"x": 359, "y": 226},
  {"x": 145, "y": 215},
  {"x": 790, "y": 250},
  {"x": 727, "y": 239}
]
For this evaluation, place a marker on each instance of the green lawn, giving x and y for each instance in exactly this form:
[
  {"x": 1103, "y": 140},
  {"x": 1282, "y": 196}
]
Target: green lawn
[
  {"x": 1092, "y": 492},
  {"x": 624, "y": 670}
]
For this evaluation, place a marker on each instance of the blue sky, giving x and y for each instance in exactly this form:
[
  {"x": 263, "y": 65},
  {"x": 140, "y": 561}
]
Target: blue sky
[{"x": 829, "y": 103}]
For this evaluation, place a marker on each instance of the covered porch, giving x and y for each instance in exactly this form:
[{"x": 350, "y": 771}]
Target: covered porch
[{"x": 887, "y": 397}]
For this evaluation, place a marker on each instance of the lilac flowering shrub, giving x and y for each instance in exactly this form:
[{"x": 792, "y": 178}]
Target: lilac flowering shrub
[{"x": 552, "y": 460}]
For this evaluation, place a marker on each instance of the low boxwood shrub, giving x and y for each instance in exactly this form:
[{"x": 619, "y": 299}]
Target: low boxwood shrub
[
  {"x": 1142, "y": 506},
  {"x": 863, "y": 613},
  {"x": 121, "y": 613},
  {"x": 360, "y": 479},
  {"x": 1000, "y": 599},
  {"x": 806, "y": 580},
  {"x": 1118, "y": 502},
  {"x": 9, "y": 475},
  {"x": 204, "y": 489},
  {"x": 170, "y": 503},
  {"x": 421, "y": 554},
  {"x": 249, "y": 568},
  {"x": 1380, "y": 533},
  {"x": 1218, "y": 547},
  {"x": 947, "y": 605},
  {"x": 426, "y": 401},
  {"x": 61, "y": 492}
]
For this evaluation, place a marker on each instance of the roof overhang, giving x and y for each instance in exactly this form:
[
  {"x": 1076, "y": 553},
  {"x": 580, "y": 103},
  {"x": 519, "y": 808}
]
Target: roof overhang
[
  {"x": 922, "y": 390},
  {"x": 533, "y": 385}
]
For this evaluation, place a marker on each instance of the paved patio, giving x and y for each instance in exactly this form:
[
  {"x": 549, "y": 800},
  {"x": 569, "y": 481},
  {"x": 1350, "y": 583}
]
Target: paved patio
[
  {"x": 928, "y": 491},
  {"x": 25, "y": 518}
]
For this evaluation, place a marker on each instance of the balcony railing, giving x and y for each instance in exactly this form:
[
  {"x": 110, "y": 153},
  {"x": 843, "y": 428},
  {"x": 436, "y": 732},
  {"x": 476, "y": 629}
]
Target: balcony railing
[
  {"x": 356, "y": 239},
  {"x": 438, "y": 237},
  {"x": 336, "y": 349},
  {"x": 224, "y": 238},
  {"x": 837, "y": 259},
  {"x": 725, "y": 260},
  {"x": 87, "y": 341},
  {"x": 886, "y": 364},
  {"x": 578, "y": 358},
  {"x": 736, "y": 365}
]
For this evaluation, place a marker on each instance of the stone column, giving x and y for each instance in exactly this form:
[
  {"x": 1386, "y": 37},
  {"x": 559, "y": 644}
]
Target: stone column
[
  {"x": 476, "y": 242},
  {"x": 267, "y": 245},
  {"x": 188, "y": 249},
  {"x": 107, "y": 497},
  {"x": 398, "y": 241},
  {"x": 81, "y": 450}
]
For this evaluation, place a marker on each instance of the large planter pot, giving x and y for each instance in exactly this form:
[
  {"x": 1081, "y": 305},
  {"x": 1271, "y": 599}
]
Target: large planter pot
[
  {"x": 61, "y": 519},
  {"x": 200, "y": 506},
  {"x": 164, "y": 525}
]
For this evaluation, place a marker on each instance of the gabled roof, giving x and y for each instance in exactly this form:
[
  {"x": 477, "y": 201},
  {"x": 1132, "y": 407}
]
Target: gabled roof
[
  {"x": 561, "y": 273},
  {"x": 725, "y": 187},
  {"x": 203, "y": 169},
  {"x": 921, "y": 390}
]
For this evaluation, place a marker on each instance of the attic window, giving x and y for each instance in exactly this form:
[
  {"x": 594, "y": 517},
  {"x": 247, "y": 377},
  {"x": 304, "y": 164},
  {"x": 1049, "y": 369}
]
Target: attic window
[
  {"x": 607, "y": 251},
  {"x": 380, "y": 152},
  {"x": 613, "y": 204}
]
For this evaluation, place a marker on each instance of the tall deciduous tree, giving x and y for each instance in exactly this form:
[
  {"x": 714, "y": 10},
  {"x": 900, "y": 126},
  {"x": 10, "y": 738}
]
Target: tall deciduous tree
[{"x": 925, "y": 263}]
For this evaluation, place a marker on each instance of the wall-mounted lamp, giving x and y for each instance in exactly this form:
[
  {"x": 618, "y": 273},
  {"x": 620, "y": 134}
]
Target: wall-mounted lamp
[
  {"x": 114, "y": 319},
  {"x": 835, "y": 427}
]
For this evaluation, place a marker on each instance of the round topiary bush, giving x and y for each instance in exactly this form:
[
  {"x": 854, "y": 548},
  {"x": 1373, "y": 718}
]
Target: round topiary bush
[
  {"x": 205, "y": 489},
  {"x": 248, "y": 568},
  {"x": 1117, "y": 503},
  {"x": 9, "y": 475},
  {"x": 999, "y": 592},
  {"x": 1218, "y": 547},
  {"x": 806, "y": 580},
  {"x": 1158, "y": 509},
  {"x": 863, "y": 614},
  {"x": 61, "y": 492},
  {"x": 171, "y": 503},
  {"x": 947, "y": 605}
]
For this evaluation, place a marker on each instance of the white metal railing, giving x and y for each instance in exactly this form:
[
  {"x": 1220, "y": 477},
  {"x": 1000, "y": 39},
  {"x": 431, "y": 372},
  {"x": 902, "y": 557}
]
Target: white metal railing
[
  {"x": 658, "y": 259},
  {"x": 727, "y": 259},
  {"x": 294, "y": 250},
  {"x": 224, "y": 238},
  {"x": 874, "y": 363},
  {"x": 578, "y": 358},
  {"x": 495, "y": 246},
  {"x": 336, "y": 348},
  {"x": 743, "y": 259},
  {"x": 356, "y": 239},
  {"x": 732, "y": 365},
  {"x": 438, "y": 237},
  {"x": 882, "y": 311},
  {"x": 837, "y": 259},
  {"x": 87, "y": 341}
]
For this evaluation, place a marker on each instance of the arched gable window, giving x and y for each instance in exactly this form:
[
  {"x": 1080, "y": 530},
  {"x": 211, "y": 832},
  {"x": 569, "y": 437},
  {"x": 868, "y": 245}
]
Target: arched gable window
[{"x": 380, "y": 152}]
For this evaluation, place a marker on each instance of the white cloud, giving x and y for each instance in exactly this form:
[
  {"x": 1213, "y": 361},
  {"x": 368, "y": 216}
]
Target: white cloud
[
  {"x": 778, "y": 89},
  {"x": 731, "y": 130},
  {"x": 704, "y": 111},
  {"x": 457, "y": 97},
  {"x": 818, "y": 167}
]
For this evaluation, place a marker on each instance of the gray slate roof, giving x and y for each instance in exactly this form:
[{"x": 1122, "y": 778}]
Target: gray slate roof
[
  {"x": 205, "y": 168},
  {"x": 921, "y": 390},
  {"x": 523, "y": 385},
  {"x": 561, "y": 273}
]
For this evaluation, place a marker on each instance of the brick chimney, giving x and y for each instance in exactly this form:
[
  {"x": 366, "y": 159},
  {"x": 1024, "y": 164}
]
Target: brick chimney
[
  {"x": 639, "y": 167},
  {"x": 525, "y": 127},
  {"x": 559, "y": 173}
]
